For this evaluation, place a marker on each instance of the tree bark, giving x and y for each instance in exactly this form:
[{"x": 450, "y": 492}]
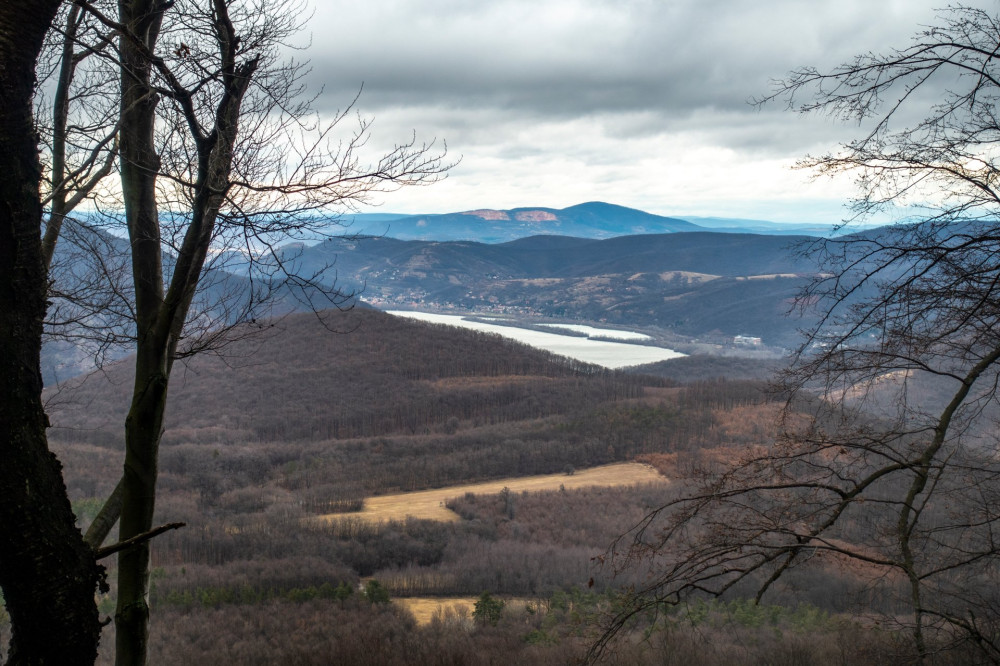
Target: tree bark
[
  {"x": 47, "y": 573},
  {"x": 139, "y": 167}
]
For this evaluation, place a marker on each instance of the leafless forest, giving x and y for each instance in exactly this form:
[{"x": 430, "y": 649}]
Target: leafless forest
[{"x": 313, "y": 416}]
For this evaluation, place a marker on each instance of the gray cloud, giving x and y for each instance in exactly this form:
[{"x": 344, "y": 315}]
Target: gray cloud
[
  {"x": 570, "y": 58},
  {"x": 490, "y": 76}
]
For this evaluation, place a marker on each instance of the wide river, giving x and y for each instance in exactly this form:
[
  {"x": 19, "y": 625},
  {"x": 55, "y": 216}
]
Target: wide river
[{"x": 599, "y": 352}]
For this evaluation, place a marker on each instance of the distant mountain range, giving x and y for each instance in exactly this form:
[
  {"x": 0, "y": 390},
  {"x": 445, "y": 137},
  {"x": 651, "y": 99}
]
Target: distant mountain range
[
  {"x": 588, "y": 220},
  {"x": 592, "y": 262}
]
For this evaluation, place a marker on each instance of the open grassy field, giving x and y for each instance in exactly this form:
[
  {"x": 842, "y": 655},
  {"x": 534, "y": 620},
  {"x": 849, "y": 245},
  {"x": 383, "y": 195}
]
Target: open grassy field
[
  {"x": 430, "y": 504},
  {"x": 425, "y": 608}
]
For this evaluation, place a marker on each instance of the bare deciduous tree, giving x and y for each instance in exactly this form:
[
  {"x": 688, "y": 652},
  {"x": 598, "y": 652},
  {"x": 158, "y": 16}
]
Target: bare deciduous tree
[
  {"x": 896, "y": 470},
  {"x": 218, "y": 151}
]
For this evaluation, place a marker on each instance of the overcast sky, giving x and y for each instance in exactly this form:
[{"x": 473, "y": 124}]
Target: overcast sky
[{"x": 641, "y": 103}]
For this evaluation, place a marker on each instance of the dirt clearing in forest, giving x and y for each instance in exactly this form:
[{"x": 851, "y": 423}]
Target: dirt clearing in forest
[{"x": 430, "y": 504}]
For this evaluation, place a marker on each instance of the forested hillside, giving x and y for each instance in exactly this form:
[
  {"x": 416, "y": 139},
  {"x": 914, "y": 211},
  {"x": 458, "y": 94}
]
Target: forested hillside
[
  {"x": 317, "y": 414},
  {"x": 360, "y": 373},
  {"x": 689, "y": 284}
]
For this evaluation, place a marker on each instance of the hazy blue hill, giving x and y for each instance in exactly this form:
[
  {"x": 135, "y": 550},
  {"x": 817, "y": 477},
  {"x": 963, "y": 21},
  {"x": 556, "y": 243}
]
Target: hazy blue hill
[
  {"x": 369, "y": 260},
  {"x": 620, "y": 220},
  {"x": 548, "y": 243},
  {"x": 692, "y": 283},
  {"x": 743, "y": 225},
  {"x": 551, "y": 256},
  {"x": 587, "y": 220},
  {"x": 732, "y": 306},
  {"x": 701, "y": 252}
]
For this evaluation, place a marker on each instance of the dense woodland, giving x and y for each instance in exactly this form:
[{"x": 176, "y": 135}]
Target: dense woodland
[{"x": 317, "y": 413}]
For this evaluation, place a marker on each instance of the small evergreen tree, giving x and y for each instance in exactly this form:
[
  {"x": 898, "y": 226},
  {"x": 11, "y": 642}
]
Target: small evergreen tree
[
  {"x": 376, "y": 593},
  {"x": 488, "y": 609}
]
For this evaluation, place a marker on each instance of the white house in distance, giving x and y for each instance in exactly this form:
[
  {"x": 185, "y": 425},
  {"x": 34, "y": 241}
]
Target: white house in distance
[{"x": 747, "y": 341}]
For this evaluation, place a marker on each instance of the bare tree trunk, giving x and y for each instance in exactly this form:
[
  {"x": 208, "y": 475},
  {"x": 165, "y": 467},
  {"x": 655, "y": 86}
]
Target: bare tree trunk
[
  {"x": 139, "y": 166},
  {"x": 210, "y": 111},
  {"x": 60, "y": 117},
  {"x": 47, "y": 573},
  {"x": 71, "y": 185}
]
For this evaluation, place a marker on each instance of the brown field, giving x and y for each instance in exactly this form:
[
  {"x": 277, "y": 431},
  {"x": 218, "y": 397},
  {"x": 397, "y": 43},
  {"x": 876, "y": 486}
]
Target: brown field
[
  {"x": 430, "y": 504},
  {"x": 425, "y": 608}
]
